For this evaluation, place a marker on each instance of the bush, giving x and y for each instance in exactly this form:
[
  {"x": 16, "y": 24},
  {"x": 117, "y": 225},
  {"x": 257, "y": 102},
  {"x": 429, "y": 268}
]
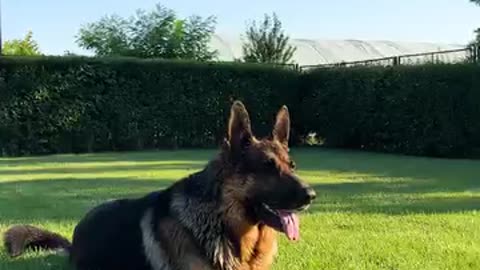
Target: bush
[
  {"x": 56, "y": 105},
  {"x": 431, "y": 110},
  {"x": 75, "y": 104}
]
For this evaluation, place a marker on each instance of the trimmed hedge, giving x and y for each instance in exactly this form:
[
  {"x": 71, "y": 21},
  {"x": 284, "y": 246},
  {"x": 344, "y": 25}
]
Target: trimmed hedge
[
  {"x": 58, "y": 105},
  {"x": 64, "y": 105},
  {"x": 431, "y": 110}
]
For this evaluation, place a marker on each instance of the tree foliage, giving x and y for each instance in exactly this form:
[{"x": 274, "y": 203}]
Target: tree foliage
[
  {"x": 477, "y": 32},
  {"x": 267, "y": 42},
  {"x": 21, "y": 47},
  {"x": 155, "y": 34}
]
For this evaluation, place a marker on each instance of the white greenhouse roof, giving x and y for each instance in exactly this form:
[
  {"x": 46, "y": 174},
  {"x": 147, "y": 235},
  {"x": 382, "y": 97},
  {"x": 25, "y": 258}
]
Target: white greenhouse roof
[{"x": 316, "y": 52}]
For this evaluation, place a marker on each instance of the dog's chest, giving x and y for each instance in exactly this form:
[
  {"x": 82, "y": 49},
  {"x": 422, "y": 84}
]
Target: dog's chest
[
  {"x": 258, "y": 246},
  {"x": 252, "y": 246}
]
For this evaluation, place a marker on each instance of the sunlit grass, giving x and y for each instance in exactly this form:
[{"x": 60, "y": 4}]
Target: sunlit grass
[{"x": 373, "y": 211}]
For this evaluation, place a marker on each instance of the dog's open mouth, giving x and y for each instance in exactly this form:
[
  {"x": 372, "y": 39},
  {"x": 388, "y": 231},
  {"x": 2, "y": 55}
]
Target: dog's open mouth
[{"x": 285, "y": 221}]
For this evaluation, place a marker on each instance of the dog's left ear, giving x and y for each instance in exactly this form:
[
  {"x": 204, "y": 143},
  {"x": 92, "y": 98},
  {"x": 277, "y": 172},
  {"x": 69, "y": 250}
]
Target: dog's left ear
[
  {"x": 239, "y": 130},
  {"x": 281, "y": 130}
]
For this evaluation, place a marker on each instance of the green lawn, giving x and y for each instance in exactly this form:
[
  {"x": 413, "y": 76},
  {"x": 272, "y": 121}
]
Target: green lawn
[{"x": 373, "y": 211}]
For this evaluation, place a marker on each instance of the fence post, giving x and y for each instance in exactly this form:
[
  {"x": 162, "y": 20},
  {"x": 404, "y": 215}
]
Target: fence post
[
  {"x": 396, "y": 60},
  {"x": 472, "y": 50},
  {"x": 476, "y": 49}
]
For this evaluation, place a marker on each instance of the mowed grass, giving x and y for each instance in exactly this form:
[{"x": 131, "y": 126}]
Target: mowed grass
[{"x": 373, "y": 211}]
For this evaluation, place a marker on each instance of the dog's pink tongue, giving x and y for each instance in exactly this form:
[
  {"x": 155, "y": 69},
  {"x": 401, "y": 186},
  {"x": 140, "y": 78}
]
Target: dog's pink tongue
[{"x": 291, "y": 225}]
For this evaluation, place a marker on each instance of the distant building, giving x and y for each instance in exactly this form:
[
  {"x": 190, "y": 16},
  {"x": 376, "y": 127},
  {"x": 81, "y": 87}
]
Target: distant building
[{"x": 316, "y": 52}]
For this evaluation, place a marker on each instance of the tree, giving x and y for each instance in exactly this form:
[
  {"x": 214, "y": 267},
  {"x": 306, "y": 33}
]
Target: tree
[
  {"x": 155, "y": 34},
  {"x": 24, "y": 47},
  {"x": 477, "y": 32},
  {"x": 267, "y": 43}
]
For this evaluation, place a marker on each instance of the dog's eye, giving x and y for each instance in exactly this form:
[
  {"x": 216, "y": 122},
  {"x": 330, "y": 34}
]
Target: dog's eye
[{"x": 292, "y": 165}]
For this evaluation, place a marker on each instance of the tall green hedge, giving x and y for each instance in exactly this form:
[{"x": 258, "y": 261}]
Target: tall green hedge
[
  {"x": 431, "y": 110},
  {"x": 55, "y": 105}
]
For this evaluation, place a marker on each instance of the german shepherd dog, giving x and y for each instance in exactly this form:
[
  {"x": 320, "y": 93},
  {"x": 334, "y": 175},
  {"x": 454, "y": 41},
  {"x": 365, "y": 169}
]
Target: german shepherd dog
[{"x": 225, "y": 216}]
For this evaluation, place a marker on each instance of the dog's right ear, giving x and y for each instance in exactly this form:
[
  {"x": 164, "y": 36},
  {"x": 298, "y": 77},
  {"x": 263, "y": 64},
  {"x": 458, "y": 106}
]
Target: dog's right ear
[{"x": 239, "y": 128}]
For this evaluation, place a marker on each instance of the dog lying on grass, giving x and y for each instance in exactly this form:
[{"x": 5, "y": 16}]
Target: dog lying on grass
[{"x": 225, "y": 216}]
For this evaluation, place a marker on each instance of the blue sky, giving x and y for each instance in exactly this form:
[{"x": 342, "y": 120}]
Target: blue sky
[{"x": 56, "y": 22}]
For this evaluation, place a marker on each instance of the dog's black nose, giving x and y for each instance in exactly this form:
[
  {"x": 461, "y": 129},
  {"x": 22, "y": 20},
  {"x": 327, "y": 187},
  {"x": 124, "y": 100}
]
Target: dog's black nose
[{"x": 309, "y": 194}]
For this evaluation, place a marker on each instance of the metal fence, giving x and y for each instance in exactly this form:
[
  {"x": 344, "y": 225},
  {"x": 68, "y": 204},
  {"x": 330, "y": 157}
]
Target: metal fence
[{"x": 470, "y": 54}]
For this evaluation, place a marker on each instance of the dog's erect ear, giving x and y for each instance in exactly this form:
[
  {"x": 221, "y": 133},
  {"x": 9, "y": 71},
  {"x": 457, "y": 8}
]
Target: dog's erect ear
[
  {"x": 281, "y": 130},
  {"x": 239, "y": 128}
]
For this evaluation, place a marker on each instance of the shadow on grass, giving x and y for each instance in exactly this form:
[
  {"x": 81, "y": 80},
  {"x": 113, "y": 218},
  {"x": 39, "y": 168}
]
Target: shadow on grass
[
  {"x": 66, "y": 199},
  {"x": 385, "y": 198},
  {"x": 43, "y": 261},
  {"x": 66, "y": 192},
  {"x": 108, "y": 168},
  {"x": 183, "y": 155},
  {"x": 380, "y": 183},
  {"x": 390, "y": 184},
  {"x": 388, "y": 166},
  {"x": 62, "y": 200}
]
